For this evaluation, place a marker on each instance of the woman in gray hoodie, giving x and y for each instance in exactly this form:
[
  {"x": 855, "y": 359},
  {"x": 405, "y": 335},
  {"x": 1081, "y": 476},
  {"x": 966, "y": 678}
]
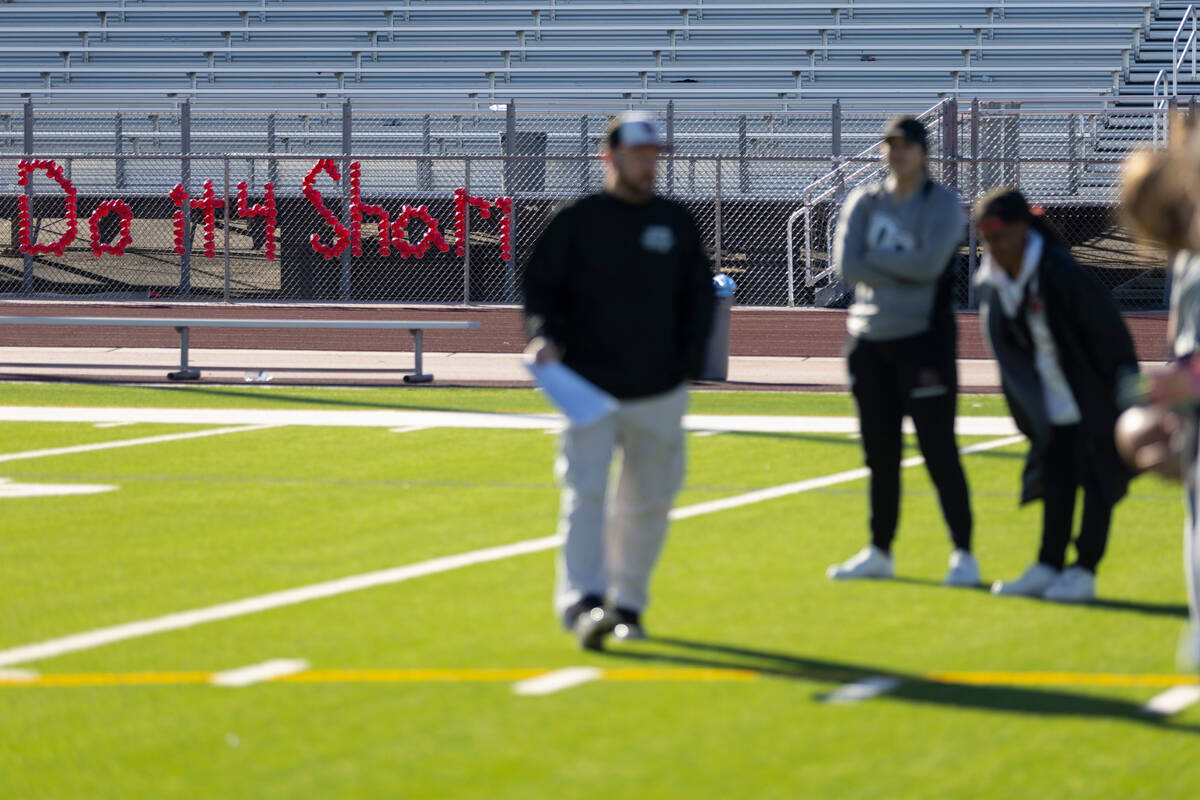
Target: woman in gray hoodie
[{"x": 896, "y": 245}]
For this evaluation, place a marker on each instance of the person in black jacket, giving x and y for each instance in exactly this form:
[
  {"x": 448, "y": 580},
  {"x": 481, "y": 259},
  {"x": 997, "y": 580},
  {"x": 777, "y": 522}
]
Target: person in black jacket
[
  {"x": 1066, "y": 359},
  {"x": 619, "y": 289}
]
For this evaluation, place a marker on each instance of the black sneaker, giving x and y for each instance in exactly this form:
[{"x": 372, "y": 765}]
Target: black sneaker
[
  {"x": 627, "y": 625},
  {"x": 591, "y": 628},
  {"x": 582, "y": 606}
]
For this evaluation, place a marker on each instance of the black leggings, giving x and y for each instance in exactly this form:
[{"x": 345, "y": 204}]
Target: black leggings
[
  {"x": 1065, "y": 471},
  {"x": 891, "y": 379}
]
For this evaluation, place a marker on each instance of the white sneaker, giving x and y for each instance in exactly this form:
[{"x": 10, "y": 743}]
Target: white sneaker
[
  {"x": 870, "y": 562},
  {"x": 1074, "y": 585},
  {"x": 1033, "y": 582},
  {"x": 964, "y": 569}
]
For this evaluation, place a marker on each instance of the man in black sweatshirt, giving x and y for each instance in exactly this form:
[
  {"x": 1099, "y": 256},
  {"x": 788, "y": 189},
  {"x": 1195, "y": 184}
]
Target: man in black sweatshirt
[{"x": 620, "y": 290}]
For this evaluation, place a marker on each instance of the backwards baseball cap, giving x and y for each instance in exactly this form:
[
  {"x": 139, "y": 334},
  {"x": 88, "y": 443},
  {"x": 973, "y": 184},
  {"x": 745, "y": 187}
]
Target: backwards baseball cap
[
  {"x": 635, "y": 129},
  {"x": 909, "y": 129}
]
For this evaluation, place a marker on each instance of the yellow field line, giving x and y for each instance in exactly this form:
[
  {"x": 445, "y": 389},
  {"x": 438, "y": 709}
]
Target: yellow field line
[{"x": 629, "y": 674}]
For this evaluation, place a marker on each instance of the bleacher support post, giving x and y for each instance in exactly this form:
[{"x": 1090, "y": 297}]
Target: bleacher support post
[
  {"x": 272, "y": 165},
  {"x": 743, "y": 167},
  {"x": 972, "y": 236},
  {"x": 584, "y": 147},
  {"x": 717, "y": 219},
  {"x": 118, "y": 146},
  {"x": 425, "y": 167},
  {"x": 467, "y": 234},
  {"x": 950, "y": 144},
  {"x": 510, "y": 138},
  {"x": 1073, "y": 154},
  {"x": 835, "y": 146},
  {"x": 27, "y": 260},
  {"x": 225, "y": 226},
  {"x": 671, "y": 144},
  {"x": 185, "y": 180},
  {"x": 345, "y": 284}
]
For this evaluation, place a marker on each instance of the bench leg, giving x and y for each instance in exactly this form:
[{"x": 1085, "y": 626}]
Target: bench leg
[
  {"x": 184, "y": 373},
  {"x": 419, "y": 375}
]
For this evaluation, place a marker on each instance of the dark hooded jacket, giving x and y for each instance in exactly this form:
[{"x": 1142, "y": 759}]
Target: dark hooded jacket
[{"x": 1096, "y": 355}]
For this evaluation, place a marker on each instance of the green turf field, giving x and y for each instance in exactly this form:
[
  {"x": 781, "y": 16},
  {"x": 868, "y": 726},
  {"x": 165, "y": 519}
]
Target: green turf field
[{"x": 409, "y": 689}]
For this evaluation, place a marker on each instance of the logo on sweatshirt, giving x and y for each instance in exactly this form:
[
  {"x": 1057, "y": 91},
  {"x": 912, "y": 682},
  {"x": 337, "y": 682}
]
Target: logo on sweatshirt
[{"x": 658, "y": 239}]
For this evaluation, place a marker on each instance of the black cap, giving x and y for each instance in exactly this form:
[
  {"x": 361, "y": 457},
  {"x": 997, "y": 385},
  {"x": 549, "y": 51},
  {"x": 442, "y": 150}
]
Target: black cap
[{"x": 909, "y": 129}]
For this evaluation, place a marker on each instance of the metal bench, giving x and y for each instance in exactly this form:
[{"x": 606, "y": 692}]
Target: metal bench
[{"x": 184, "y": 325}]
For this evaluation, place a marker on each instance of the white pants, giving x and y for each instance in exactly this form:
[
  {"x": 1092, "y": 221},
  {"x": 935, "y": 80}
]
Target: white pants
[{"x": 611, "y": 553}]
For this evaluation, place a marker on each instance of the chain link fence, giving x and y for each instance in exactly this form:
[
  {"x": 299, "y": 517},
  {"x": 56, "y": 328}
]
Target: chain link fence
[{"x": 446, "y": 208}]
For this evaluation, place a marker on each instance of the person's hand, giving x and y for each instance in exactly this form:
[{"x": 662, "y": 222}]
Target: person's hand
[
  {"x": 1150, "y": 438},
  {"x": 1175, "y": 386},
  {"x": 543, "y": 351}
]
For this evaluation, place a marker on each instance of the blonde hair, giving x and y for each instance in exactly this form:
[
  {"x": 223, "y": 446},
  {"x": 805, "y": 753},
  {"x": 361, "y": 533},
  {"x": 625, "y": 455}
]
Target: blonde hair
[{"x": 1159, "y": 189}]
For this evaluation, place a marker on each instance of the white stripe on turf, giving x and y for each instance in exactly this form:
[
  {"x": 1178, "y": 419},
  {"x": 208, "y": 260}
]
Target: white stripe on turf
[
  {"x": 556, "y": 681},
  {"x": 9, "y": 489},
  {"x": 1172, "y": 701},
  {"x": 815, "y": 483},
  {"x": 17, "y": 675},
  {"x": 90, "y": 448},
  {"x": 738, "y": 423},
  {"x": 257, "y": 673},
  {"x": 858, "y": 691},
  {"x": 303, "y": 594}
]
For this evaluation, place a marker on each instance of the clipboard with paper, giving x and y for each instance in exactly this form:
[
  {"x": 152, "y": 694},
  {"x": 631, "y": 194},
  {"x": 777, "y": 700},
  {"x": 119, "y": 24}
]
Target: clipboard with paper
[{"x": 580, "y": 400}]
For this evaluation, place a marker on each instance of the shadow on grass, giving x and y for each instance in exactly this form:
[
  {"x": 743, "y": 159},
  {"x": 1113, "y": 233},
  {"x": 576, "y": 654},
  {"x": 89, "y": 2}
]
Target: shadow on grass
[
  {"x": 913, "y": 688},
  {"x": 1177, "y": 610}
]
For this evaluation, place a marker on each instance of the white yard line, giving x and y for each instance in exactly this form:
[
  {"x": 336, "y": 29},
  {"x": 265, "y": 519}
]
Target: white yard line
[
  {"x": 113, "y": 424},
  {"x": 1172, "y": 701},
  {"x": 258, "y": 673},
  {"x": 556, "y": 681},
  {"x": 865, "y": 689},
  {"x": 304, "y": 594},
  {"x": 737, "y": 423},
  {"x": 90, "y": 448}
]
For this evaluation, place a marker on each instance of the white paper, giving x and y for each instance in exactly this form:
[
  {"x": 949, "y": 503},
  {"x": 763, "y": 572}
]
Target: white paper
[{"x": 580, "y": 400}]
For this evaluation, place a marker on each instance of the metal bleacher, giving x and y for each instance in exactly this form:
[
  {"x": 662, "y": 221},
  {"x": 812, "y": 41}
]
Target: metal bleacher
[{"x": 313, "y": 50}]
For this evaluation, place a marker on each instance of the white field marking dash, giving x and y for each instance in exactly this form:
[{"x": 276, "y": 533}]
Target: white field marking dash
[
  {"x": 557, "y": 681},
  {"x": 113, "y": 424},
  {"x": 89, "y": 448},
  {"x": 1172, "y": 701},
  {"x": 303, "y": 594},
  {"x": 865, "y": 689},
  {"x": 17, "y": 675},
  {"x": 410, "y": 428},
  {"x": 808, "y": 485},
  {"x": 10, "y": 489},
  {"x": 258, "y": 673}
]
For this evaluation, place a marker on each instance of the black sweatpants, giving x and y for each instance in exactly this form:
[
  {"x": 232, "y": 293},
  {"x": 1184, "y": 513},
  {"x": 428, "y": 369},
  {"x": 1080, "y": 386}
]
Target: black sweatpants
[
  {"x": 1066, "y": 469},
  {"x": 898, "y": 378}
]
